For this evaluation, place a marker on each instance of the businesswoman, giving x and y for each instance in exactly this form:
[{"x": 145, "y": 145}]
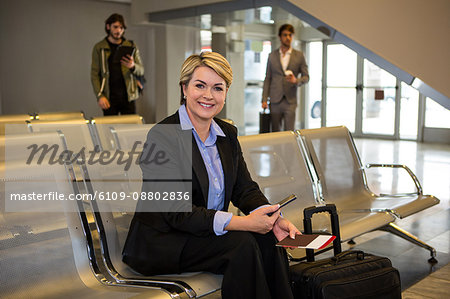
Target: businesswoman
[{"x": 209, "y": 238}]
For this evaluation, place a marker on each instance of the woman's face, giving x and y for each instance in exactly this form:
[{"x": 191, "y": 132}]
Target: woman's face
[{"x": 205, "y": 94}]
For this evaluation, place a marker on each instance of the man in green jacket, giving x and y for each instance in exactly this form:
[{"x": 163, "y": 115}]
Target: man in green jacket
[{"x": 114, "y": 78}]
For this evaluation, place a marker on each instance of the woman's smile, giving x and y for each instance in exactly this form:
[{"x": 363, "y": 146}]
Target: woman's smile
[{"x": 205, "y": 95}]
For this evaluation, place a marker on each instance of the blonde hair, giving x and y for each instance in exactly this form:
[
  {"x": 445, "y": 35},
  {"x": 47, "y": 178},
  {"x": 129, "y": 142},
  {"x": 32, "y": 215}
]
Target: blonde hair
[{"x": 213, "y": 60}]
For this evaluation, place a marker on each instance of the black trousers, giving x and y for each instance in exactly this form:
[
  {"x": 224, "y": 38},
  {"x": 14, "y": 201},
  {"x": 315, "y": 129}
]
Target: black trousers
[
  {"x": 251, "y": 264},
  {"x": 120, "y": 106}
]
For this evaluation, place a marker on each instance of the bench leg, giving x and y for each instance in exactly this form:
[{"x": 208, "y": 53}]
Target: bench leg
[{"x": 396, "y": 230}]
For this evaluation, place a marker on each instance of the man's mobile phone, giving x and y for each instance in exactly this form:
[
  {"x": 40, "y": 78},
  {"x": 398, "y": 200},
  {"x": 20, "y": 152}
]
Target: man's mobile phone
[
  {"x": 284, "y": 202},
  {"x": 123, "y": 51}
]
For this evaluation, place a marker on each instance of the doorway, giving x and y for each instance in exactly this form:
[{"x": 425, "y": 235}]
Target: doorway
[{"x": 366, "y": 99}]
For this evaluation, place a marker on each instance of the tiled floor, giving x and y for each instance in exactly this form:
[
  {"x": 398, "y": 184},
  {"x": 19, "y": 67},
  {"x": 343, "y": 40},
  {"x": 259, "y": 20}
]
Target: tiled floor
[{"x": 435, "y": 285}]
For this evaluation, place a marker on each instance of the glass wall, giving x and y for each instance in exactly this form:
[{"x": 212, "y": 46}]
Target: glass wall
[
  {"x": 205, "y": 32},
  {"x": 436, "y": 116},
  {"x": 205, "y": 40},
  {"x": 341, "y": 83},
  {"x": 409, "y": 112},
  {"x": 378, "y": 100},
  {"x": 255, "y": 63},
  {"x": 314, "y": 86},
  {"x": 255, "y": 59},
  {"x": 368, "y": 100}
]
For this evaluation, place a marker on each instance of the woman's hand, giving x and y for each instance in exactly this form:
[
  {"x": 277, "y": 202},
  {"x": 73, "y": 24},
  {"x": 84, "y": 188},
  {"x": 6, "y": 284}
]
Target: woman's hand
[
  {"x": 258, "y": 221},
  {"x": 283, "y": 228}
]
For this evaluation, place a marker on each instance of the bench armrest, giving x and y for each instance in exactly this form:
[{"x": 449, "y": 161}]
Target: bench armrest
[{"x": 411, "y": 174}]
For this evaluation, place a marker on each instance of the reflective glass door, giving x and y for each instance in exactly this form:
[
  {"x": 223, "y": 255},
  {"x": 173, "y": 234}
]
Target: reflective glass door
[
  {"x": 366, "y": 99},
  {"x": 379, "y": 97}
]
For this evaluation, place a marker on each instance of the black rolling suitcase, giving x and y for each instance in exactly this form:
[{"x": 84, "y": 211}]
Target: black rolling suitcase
[
  {"x": 264, "y": 122},
  {"x": 349, "y": 274}
]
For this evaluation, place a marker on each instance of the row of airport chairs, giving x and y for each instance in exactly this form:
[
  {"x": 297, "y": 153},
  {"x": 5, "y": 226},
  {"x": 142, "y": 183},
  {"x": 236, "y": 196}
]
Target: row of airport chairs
[
  {"x": 50, "y": 116},
  {"x": 95, "y": 134},
  {"x": 319, "y": 166},
  {"x": 69, "y": 232},
  {"x": 49, "y": 250}
]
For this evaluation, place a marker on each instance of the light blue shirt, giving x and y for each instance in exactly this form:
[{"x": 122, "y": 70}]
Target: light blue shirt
[{"x": 213, "y": 164}]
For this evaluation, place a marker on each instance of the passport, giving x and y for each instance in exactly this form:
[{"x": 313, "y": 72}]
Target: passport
[{"x": 312, "y": 241}]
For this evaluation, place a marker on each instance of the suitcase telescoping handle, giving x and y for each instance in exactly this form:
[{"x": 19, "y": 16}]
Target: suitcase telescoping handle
[{"x": 307, "y": 215}]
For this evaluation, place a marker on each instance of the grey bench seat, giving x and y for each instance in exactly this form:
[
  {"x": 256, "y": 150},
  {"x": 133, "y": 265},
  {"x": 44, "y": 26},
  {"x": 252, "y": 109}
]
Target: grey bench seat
[
  {"x": 400, "y": 206},
  {"x": 343, "y": 179},
  {"x": 46, "y": 253},
  {"x": 278, "y": 162},
  {"x": 112, "y": 220},
  {"x": 101, "y": 126}
]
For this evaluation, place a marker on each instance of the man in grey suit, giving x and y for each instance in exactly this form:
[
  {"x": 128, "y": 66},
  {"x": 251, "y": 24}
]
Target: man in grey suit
[{"x": 280, "y": 86}]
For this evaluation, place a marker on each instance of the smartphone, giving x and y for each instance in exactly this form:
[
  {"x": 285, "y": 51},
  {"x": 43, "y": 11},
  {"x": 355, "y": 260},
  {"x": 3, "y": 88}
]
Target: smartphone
[
  {"x": 284, "y": 202},
  {"x": 123, "y": 51}
]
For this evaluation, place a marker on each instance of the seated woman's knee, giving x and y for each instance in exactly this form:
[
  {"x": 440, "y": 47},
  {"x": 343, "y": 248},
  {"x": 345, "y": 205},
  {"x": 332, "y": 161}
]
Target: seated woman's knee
[{"x": 242, "y": 240}]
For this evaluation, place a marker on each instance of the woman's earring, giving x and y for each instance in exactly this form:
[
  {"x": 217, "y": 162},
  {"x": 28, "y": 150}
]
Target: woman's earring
[{"x": 184, "y": 97}]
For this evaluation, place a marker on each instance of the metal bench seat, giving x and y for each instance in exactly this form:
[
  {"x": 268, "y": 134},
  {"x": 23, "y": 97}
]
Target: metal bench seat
[
  {"x": 102, "y": 126},
  {"x": 354, "y": 224},
  {"x": 59, "y": 116},
  {"x": 46, "y": 253},
  {"x": 112, "y": 220},
  {"x": 342, "y": 176},
  {"x": 15, "y": 118},
  {"x": 276, "y": 162},
  {"x": 125, "y": 137},
  {"x": 279, "y": 164},
  {"x": 119, "y": 119},
  {"x": 14, "y": 123},
  {"x": 400, "y": 207},
  {"x": 76, "y": 131}
]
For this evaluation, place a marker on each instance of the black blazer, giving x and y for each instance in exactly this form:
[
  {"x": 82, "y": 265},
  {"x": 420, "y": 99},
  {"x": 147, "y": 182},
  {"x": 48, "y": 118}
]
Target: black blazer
[{"x": 155, "y": 239}]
